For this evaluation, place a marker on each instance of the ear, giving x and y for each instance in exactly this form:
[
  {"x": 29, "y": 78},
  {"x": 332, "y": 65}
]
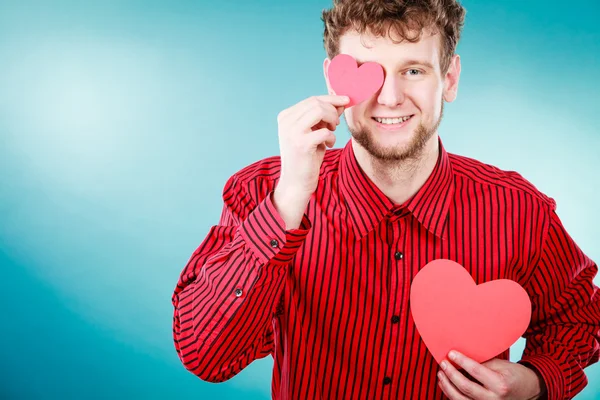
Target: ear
[
  {"x": 451, "y": 79},
  {"x": 326, "y": 63}
]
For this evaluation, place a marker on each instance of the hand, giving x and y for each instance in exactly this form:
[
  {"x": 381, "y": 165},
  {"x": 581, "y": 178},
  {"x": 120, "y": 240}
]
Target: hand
[
  {"x": 497, "y": 379},
  {"x": 305, "y": 129}
]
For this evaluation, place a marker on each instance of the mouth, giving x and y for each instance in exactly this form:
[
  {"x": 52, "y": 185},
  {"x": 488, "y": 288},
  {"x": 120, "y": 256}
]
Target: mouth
[{"x": 392, "y": 123}]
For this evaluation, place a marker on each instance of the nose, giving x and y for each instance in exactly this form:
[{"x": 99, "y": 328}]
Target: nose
[{"x": 391, "y": 93}]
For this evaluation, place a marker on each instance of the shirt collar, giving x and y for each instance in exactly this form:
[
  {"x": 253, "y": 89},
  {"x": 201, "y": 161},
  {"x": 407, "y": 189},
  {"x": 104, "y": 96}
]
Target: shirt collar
[{"x": 368, "y": 205}]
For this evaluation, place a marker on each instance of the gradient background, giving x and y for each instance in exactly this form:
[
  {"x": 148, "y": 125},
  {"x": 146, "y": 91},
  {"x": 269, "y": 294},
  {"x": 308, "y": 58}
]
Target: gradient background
[{"x": 120, "y": 122}]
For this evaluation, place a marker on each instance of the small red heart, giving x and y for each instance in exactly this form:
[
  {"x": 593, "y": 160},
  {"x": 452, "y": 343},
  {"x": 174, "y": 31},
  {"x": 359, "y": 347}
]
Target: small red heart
[
  {"x": 451, "y": 312},
  {"x": 358, "y": 84}
]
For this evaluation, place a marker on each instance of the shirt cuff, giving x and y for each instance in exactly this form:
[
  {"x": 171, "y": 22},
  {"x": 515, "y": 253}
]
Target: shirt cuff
[
  {"x": 264, "y": 231},
  {"x": 553, "y": 376}
]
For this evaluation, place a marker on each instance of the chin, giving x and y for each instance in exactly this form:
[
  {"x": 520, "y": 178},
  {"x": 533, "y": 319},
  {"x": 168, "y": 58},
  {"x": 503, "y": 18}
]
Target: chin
[
  {"x": 392, "y": 144},
  {"x": 392, "y": 139}
]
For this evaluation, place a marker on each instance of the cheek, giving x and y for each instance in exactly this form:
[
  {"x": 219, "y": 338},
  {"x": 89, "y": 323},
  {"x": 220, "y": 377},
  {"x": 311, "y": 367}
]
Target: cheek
[
  {"x": 428, "y": 94},
  {"x": 353, "y": 116},
  {"x": 428, "y": 100}
]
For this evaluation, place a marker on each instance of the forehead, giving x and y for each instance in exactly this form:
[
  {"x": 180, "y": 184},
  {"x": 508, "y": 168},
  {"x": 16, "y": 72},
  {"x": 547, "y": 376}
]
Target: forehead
[{"x": 366, "y": 47}]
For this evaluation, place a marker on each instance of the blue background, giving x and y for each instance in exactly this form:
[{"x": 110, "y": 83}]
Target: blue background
[{"x": 120, "y": 122}]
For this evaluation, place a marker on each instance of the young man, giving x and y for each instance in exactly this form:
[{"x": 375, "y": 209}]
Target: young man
[{"x": 315, "y": 251}]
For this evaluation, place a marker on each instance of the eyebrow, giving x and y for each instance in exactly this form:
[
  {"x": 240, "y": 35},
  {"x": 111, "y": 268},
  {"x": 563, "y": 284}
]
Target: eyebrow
[
  {"x": 406, "y": 63},
  {"x": 417, "y": 62}
]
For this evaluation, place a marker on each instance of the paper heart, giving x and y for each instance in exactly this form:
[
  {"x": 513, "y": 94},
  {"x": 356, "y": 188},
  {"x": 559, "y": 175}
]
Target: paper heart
[
  {"x": 451, "y": 312},
  {"x": 358, "y": 83}
]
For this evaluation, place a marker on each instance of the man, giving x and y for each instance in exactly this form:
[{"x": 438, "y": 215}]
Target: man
[{"x": 315, "y": 251}]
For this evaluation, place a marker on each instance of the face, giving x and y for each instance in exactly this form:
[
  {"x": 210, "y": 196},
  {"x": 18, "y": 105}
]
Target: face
[{"x": 413, "y": 88}]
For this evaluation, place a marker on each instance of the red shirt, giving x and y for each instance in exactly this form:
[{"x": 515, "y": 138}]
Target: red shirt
[{"x": 330, "y": 300}]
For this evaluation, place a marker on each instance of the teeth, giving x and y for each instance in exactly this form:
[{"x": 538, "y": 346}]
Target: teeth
[{"x": 391, "y": 120}]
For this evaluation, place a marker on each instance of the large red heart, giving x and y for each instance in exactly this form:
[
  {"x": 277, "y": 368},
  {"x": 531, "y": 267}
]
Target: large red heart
[
  {"x": 358, "y": 83},
  {"x": 452, "y": 312}
]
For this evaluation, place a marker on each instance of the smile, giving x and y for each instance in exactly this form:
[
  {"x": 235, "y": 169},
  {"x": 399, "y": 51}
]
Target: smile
[{"x": 391, "y": 121}]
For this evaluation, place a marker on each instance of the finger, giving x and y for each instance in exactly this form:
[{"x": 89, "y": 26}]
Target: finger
[
  {"x": 465, "y": 386},
  {"x": 336, "y": 101},
  {"x": 322, "y": 136},
  {"x": 449, "y": 389},
  {"x": 483, "y": 374},
  {"x": 322, "y": 112},
  {"x": 323, "y": 124}
]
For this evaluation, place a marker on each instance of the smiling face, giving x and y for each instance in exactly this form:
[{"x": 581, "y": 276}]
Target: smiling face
[{"x": 400, "y": 119}]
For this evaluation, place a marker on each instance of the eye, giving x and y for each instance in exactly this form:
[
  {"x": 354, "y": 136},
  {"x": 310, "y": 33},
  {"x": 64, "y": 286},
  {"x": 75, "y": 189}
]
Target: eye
[{"x": 414, "y": 70}]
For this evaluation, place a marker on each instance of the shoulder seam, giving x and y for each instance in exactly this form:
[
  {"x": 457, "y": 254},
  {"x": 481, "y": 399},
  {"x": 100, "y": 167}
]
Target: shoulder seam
[
  {"x": 533, "y": 192},
  {"x": 541, "y": 197}
]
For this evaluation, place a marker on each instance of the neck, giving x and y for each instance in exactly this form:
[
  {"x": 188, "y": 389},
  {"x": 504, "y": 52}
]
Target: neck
[{"x": 399, "y": 180}]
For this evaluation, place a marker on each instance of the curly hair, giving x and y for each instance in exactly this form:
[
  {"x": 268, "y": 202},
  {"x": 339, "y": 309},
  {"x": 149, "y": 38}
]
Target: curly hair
[{"x": 381, "y": 18}]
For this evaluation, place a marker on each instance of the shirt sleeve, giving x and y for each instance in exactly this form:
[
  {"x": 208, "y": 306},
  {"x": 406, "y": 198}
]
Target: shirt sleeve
[
  {"x": 227, "y": 292},
  {"x": 564, "y": 335}
]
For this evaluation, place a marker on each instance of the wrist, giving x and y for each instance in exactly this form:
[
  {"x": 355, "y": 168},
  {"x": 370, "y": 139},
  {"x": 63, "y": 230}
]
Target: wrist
[
  {"x": 540, "y": 384},
  {"x": 291, "y": 192},
  {"x": 290, "y": 206}
]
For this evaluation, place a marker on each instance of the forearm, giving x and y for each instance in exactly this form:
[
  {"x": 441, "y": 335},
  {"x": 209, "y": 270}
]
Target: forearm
[
  {"x": 224, "y": 314},
  {"x": 226, "y": 294},
  {"x": 563, "y": 337}
]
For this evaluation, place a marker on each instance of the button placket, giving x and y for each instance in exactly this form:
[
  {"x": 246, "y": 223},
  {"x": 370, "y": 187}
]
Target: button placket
[{"x": 397, "y": 270}]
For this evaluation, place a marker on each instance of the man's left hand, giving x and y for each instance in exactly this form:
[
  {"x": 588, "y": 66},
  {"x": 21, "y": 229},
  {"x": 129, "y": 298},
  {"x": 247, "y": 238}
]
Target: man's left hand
[{"x": 497, "y": 379}]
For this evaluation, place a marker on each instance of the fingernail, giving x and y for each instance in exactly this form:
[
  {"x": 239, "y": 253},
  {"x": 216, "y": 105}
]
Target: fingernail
[
  {"x": 444, "y": 365},
  {"x": 452, "y": 355},
  {"x": 440, "y": 375}
]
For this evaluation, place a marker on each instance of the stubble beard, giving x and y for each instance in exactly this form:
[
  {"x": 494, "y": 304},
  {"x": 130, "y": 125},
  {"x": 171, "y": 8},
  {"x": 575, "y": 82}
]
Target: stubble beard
[{"x": 386, "y": 155}]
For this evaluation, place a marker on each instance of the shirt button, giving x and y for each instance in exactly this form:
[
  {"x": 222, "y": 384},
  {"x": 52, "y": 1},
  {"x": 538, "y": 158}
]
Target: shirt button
[
  {"x": 238, "y": 292},
  {"x": 395, "y": 319},
  {"x": 387, "y": 380},
  {"x": 274, "y": 243},
  {"x": 398, "y": 255}
]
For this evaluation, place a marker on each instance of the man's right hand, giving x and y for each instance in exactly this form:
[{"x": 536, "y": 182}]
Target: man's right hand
[{"x": 305, "y": 131}]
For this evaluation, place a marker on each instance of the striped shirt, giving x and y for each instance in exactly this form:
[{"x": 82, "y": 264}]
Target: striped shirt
[{"x": 329, "y": 301}]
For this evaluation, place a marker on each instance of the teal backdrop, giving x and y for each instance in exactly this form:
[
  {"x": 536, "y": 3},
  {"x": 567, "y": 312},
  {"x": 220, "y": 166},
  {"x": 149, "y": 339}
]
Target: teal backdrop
[{"x": 121, "y": 120}]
